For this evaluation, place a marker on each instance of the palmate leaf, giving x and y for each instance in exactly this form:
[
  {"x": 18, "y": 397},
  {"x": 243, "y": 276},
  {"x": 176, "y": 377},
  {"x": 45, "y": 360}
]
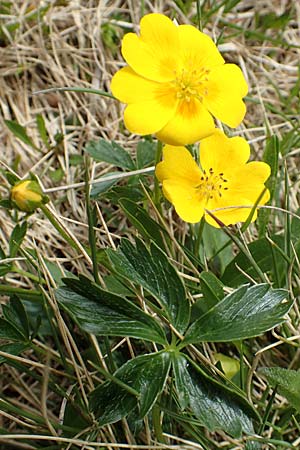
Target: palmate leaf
[
  {"x": 245, "y": 313},
  {"x": 111, "y": 153},
  {"x": 103, "y": 313},
  {"x": 152, "y": 270},
  {"x": 145, "y": 374},
  {"x": 216, "y": 406}
]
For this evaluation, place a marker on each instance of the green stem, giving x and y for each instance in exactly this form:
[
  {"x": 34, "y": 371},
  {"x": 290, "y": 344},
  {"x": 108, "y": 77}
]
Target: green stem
[
  {"x": 76, "y": 89},
  {"x": 156, "y": 182},
  {"x": 267, "y": 411},
  {"x": 27, "y": 275},
  {"x": 199, "y": 237},
  {"x": 199, "y": 15},
  {"x": 59, "y": 228},
  {"x": 157, "y": 424},
  {"x": 116, "y": 380},
  {"x": 92, "y": 236},
  {"x": 242, "y": 381},
  {"x": 240, "y": 246},
  {"x": 24, "y": 293}
]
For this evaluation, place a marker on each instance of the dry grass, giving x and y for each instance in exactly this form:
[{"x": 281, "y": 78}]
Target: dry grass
[{"x": 65, "y": 47}]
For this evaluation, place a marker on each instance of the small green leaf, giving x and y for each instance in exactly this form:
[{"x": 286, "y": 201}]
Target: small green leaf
[
  {"x": 152, "y": 270},
  {"x": 270, "y": 156},
  {"x": 103, "y": 186},
  {"x": 103, "y": 313},
  {"x": 40, "y": 122},
  {"x": 212, "y": 288},
  {"x": 212, "y": 293},
  {"x": 215, "y": 405},
  {"x": 57, "y": 174},
  {"x": 16, "y": 238},
  {"x": 246, "y": 312},
  {"x": 8, "y": 331},
  {"x": 16, "y": 315},
  {"x": 13, "y": 349},
  {"x": 145, "y": 374},
  {"x": 145, "y": 154},
  {"x": 287, "y": 382},
  {"x": 111, "y": 153},
  {"x": 140, "y": 218},
  {"x": 20, "y": 132},
  {"x": 262, "y": 253},
  {"x": 214, "y": 248}
]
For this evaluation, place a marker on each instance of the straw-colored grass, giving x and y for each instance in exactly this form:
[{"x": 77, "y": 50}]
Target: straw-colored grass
[{"x": 68, "y": 46}]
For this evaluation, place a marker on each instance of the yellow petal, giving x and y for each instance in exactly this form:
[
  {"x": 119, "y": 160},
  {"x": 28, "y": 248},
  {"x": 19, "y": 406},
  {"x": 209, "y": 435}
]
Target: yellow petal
[
  {"x": 150, "y": 116},
  {"x": 198, "y": 50},
  {"x": 178, "y": 164},
  {"x": 190, "y": 123},
  {"x": 223, "y": 154},
  {"x": 225, "y": 88},
  {"x": 129, "y": 87},
  {"x": 185, "y": 200},
  {"x": 249, "y": 180},
  {"x": 243, "y": 190},
  {"x": 154, "y": 54}
]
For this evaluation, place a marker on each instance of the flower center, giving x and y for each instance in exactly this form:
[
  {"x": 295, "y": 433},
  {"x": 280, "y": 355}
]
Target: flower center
[
  {"x": 212, "y": 185},
  {"x": 190, "y": 84}
]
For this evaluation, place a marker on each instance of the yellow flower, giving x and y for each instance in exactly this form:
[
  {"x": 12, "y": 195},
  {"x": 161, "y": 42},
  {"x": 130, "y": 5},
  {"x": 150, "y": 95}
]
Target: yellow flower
[
  {"x": 175, "y": 81},
  {"x": 225, "y": 179},
  {"x": 27, "y": 195}
]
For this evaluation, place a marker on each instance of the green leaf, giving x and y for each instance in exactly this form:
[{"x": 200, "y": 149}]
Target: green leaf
[
  {"x": 20, "y": 132},
  {"x": 295, "y": 226},
  {"x": 261, "y": 250},
  {"x": 118, "y": 192},
  {"x": 270, "y": 156},
  {"x": 145, "y": 154},
  {"x": 152, "y": 270},
  {"x": 102, "y": 313},
  {"x": 145, "y": 374},
  {"x": 8, "y": 331},
  {"x": 16, "y": 238},
  {"x": 215, "y": 405},
  {"x": 103, "y": 186},
  {"x": 15, "y": 313},
  {"x": 111, "y": 153},
  {"x": 13, "y": 349},
  {"x": 140, "y": 218},
  {"x": 214, "y": 248},
  {"x": 287, "y": 382},
  {"x": 40, "y": 122},
  {"x": 211, "y": 287},
  {"x": 246, "y": 312},
  {"x": 212, "y": 291}
]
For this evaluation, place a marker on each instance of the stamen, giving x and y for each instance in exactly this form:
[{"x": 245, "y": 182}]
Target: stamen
[{"x": 211, "y": 185}]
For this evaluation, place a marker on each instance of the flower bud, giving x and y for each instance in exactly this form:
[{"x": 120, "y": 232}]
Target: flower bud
[{"x": 27, "y": 195}]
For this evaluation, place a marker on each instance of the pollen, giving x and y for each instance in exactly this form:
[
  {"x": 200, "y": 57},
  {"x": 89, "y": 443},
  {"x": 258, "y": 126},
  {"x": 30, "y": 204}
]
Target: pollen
[
  {"x": 190, "y": 84},
  {"x": 211, "y": 185}
]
